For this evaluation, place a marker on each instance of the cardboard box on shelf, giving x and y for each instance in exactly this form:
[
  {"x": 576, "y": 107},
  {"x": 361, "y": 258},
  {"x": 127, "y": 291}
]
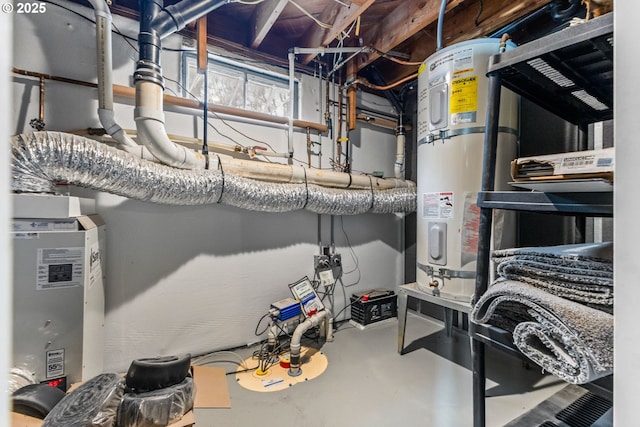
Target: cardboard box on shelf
[
  {"x": 211, "y": 392},
  {"x": 571, "y": 165}
]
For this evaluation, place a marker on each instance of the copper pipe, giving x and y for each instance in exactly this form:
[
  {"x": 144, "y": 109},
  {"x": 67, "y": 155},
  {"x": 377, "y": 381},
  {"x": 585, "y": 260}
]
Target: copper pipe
[
  {"x": 202, "y": 44},
  {"x": 377, "y": 121},
  {"x": 129, "y": 92},
  {"x": 54, "y": 78},
  {"x": 351, "y": 96},
  {"x": 387, "y": 87},
  {"x": 41, "y": 113}
]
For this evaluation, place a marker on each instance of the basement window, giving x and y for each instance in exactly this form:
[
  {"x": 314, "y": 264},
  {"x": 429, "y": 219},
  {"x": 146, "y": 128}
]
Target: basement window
[{"x": 234, "y": 84}]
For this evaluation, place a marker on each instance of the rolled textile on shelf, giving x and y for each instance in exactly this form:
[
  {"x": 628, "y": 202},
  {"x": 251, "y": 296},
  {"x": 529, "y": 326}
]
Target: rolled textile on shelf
[
  {"x": 568, "y": 339},
  {"x": 582, "y": 272}
]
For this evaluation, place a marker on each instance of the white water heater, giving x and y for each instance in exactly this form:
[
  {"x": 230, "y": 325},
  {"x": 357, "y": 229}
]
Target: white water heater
[{"x": 452, "y": 104}]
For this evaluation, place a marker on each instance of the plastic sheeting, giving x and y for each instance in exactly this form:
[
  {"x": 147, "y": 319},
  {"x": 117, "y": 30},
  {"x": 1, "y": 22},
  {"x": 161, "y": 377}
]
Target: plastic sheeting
[
  {"x": 94, "y": 403},
  {"x": 158, "y": 407},
  {"x": 42, "y": 159}
]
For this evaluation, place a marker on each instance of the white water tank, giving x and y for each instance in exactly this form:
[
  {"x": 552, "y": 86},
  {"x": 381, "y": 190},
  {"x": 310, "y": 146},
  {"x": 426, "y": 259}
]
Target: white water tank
[{"x": 452, "y": 104}]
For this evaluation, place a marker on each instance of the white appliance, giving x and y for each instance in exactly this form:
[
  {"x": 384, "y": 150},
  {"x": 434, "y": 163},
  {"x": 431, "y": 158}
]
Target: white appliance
[
  {"x": 452, "y": 98},
  {"x": 58, "y": 288}
]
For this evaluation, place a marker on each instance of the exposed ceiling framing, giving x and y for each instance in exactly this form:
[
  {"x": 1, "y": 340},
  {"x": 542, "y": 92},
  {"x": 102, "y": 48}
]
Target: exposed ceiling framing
[{"x": 402, "y": 28}]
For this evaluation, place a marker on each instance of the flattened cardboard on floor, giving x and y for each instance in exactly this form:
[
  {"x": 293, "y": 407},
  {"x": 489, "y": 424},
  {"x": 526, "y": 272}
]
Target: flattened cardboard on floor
[{"x": 211, "y": 392}]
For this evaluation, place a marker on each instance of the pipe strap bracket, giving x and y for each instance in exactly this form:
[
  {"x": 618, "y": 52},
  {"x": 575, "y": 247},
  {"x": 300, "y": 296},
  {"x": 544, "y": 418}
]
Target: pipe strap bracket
[
  {"x": 448, "y": 134},
  {"x": 446, "y": 273}
]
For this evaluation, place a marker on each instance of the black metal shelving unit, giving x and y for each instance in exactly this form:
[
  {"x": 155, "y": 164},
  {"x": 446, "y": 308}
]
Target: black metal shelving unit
[{"x": 569, "y": 73}]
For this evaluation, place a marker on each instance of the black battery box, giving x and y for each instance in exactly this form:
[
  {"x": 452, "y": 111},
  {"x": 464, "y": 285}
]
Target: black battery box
[{"x": 373, "y": 306}]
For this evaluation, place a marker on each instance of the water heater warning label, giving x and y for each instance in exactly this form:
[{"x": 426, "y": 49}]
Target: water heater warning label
[
  {"x": 437, "y": 205},
  {"x": 464, "y": 95}
]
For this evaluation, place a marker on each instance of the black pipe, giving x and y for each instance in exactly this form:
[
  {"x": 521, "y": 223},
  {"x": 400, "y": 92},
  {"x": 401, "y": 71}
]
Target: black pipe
[
  {"x": 176, "y": 16},
  {"x": 148, "y": 39},
  {"x": 157, "y": 22},
  {"x": 148, "y": 67}
]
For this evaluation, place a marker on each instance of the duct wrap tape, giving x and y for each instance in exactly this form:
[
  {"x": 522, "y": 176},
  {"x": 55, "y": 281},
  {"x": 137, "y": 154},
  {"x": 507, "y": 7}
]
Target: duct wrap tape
[
  {"x": 158, "y": 407},
  {"x": 41, "y": 159},
  {"x": 94, "y": 403}
]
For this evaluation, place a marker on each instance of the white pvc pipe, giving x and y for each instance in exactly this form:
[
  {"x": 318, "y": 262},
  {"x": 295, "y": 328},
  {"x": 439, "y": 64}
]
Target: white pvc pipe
[
  {"x": 398, "y": 167},
  {"x": 272, "y": 335},
  {"x": 292, "y": 59},
  {"x": 149, "y": 117},
  {"x": 294, "y": 348},
  {"x": 105, "y": 73}
]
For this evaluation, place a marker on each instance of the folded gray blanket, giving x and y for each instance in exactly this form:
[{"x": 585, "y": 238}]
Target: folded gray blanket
[
  {"x": 582, "y": 272},
  {"x": 567, "y": 339}
]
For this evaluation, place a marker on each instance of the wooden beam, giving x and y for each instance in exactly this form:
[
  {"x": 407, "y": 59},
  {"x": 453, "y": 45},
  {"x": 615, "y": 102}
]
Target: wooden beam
[
  {"x": 340, "y": 17},
  {"x": 496, "y": 14},
  {"x": 345, "y": 17},
  {"x": 265, "y": 15},
  {"x": 314, "y": 35},
  {"x": 459, "y": 25},
  {"x": 399, "y": 25}
]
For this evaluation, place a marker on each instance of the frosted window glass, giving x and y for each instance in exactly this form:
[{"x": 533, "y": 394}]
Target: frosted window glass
[
  {"x": 267, "y": 98},
  {"x": 233, "y": 86}
]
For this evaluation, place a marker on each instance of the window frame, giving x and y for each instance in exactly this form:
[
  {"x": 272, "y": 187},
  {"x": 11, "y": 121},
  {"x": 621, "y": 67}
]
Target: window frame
[{"x": 246, "y": 71}]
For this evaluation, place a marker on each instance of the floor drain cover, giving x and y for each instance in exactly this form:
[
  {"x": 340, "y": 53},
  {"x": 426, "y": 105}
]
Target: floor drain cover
[{"x": 585, "y": 411}]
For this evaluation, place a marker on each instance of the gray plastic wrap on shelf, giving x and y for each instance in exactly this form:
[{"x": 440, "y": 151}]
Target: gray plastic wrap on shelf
[
  {"x": 158, "y": 407},
  {"x": 94, "y": 403},
  {"x": 41, "y": 159}
]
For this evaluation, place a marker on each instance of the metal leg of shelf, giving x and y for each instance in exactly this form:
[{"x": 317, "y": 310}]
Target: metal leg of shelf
[
  {"x": 402, "y": 319},
  {"x": 448, "y": 321},
  {"x": 484, "y": 242},
  {"x": 479, "y": 382}
]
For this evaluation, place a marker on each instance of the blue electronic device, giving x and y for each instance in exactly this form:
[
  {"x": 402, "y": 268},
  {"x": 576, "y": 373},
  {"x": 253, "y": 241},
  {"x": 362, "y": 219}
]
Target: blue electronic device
[{"x": 287, "y": 309}]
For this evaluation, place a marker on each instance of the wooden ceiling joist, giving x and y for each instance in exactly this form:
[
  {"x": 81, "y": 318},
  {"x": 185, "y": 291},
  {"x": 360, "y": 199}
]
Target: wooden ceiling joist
[
  {"x": 264, "y": 17},
  {"x": 459, "y": 25},
  {"x": 399, "y": 25},
  {"x": 340, "y": 17}
]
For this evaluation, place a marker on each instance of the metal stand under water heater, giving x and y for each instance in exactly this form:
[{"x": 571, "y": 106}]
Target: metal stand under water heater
[
  {"x": 58, "y": 293},
  {"x": 452, "y": 100}
]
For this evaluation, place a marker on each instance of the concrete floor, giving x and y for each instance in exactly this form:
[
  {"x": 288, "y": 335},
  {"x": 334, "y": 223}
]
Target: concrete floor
[{"x": 367, "y": 383}]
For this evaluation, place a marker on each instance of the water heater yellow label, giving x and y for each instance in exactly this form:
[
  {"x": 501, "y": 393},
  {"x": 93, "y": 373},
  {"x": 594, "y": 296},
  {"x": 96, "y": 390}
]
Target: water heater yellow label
[{"x": 464, "y": 95}]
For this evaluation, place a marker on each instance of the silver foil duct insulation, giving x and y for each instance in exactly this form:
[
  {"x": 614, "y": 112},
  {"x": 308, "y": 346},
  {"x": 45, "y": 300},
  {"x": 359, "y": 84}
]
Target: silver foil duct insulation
[{"x": 42, "y": 159}]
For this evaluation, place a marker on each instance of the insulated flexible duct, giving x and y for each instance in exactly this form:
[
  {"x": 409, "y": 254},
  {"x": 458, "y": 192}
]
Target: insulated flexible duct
[{"x": 41, "y": 159}]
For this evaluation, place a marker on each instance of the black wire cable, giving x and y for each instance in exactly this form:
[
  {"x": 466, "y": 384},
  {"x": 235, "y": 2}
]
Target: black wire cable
[
  {"x": 476, "y": 20},
  {"x": 258, "y": 325},
  {"x": 347, "y": 306}
]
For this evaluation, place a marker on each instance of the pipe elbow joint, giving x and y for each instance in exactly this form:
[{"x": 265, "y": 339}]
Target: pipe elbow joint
[{"x": 108, "y": 121}]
